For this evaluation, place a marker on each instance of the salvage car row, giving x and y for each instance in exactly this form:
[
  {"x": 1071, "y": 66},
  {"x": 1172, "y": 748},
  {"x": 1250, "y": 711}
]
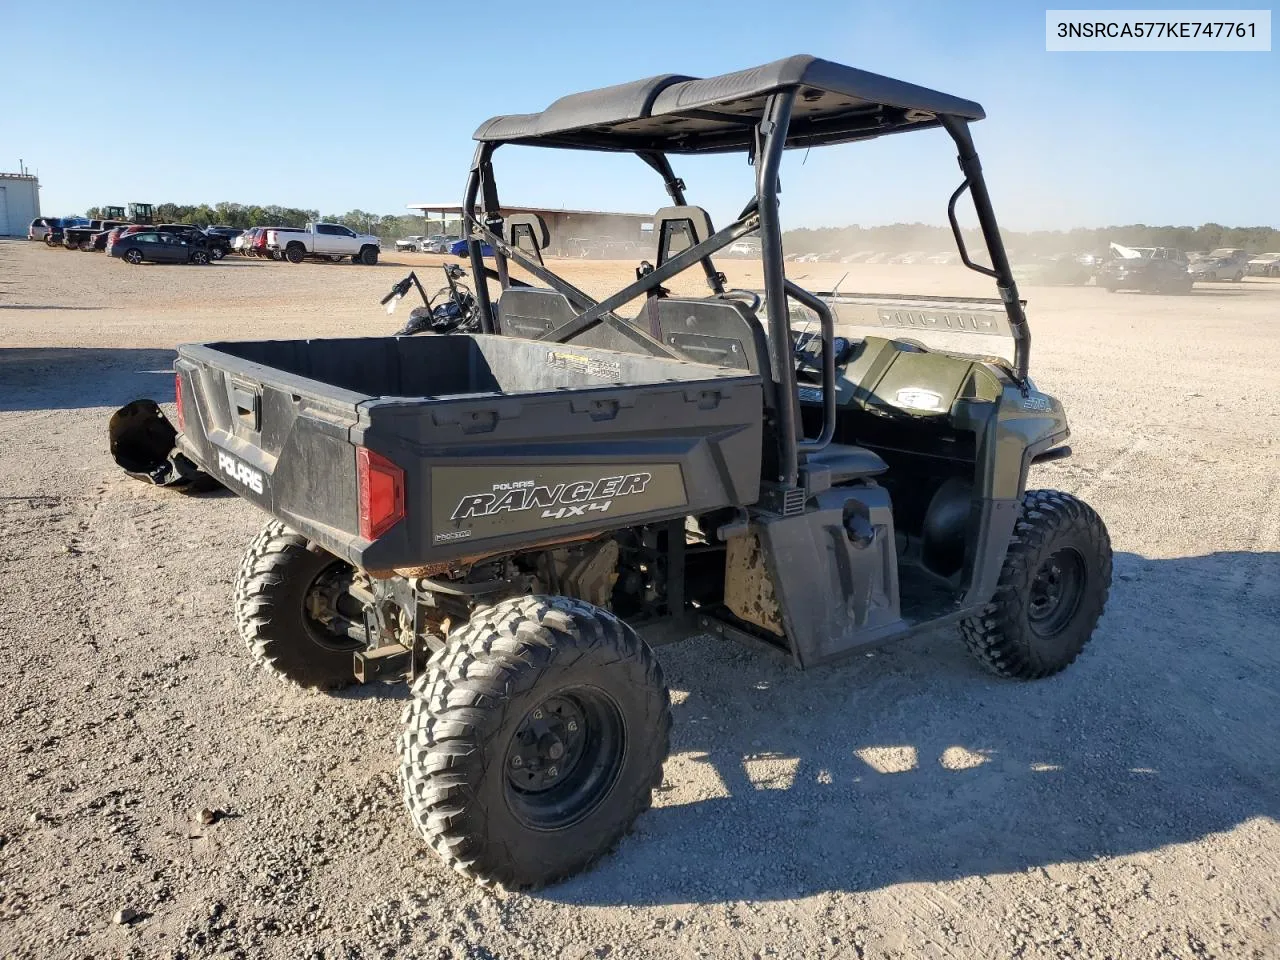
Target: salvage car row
[{"x": 186, "y": 243}]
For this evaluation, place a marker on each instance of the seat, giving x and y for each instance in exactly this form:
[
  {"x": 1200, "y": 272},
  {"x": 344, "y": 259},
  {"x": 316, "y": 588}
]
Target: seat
[
  {"x": 845, "y": 462},
  {"x": 727, "y": 333}
]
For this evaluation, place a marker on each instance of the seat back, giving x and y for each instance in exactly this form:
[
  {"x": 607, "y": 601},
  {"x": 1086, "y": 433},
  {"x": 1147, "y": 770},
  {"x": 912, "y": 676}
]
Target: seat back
[
  {"x": 721, "y": 332},
  {"x": 532, "y": 311},
  {"x": 677, "y": 229},
  {"x": 725, "y": 333}
]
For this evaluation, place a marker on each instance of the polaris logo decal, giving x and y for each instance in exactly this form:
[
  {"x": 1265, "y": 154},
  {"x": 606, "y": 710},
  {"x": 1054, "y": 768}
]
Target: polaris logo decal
[
  {"x": 560, "y": 501},
  {"x": 917, "y": 398},
  {"x": 242, "y": 472}
]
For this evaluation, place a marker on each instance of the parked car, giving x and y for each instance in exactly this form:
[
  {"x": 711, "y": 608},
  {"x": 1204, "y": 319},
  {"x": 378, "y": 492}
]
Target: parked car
[
  {"x": 218, "y": 245},
  {"x": 77, "y": 237},
  {"x": 1225, "y": 263},
  {"x": 160, "y": 247},
  {"x": 1146, "y": 269},
  {"x": 411, "y": 244},
  {"x": 328, "y": 240},
  {"x": 1059, "y": 269},
  {"x": 115, "y": 234},
  {"x": 459, "y": 249},
  {"x": 256, "y": 246},
  {"x": 1264, "y": 265},
  {"x": 227, "y": 233},
  {"x": 39, "y": 228},
  {"x": 57, "y": 228},
  {"x": 440, "y": 243},
  {"x": 98, "y": 240}
]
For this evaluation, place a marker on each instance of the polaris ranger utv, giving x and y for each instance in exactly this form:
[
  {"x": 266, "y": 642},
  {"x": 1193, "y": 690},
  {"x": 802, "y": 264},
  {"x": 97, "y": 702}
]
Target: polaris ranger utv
[{"x": 510, "y": 518}]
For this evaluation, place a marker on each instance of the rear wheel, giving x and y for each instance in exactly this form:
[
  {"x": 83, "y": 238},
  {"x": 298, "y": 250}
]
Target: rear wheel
[
  {"x": 368, "y": 256},
  {"x": 133, "y": 255},
  {"x": 1052, "y": 589},
  {"x": 1238, "y": 277},
  {"x": 534, "y": 739},
  {"x": 295, "y": 252},
  {"x": 292, "y": 607},
  {"x": 200, "y": 257},
  {"x": 217, "y": 253}
]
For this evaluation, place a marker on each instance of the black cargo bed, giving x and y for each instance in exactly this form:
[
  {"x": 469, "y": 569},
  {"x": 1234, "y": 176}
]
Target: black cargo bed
[{"x": 504, "y": 443}]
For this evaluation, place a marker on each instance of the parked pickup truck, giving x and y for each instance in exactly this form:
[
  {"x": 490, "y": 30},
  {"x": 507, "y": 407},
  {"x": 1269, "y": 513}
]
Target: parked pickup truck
[{"x": 330, "y": 241}]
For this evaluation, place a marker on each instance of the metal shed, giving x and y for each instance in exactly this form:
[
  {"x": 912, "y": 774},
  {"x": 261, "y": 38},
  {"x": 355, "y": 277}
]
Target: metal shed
[{"x": 19, "y": 203}]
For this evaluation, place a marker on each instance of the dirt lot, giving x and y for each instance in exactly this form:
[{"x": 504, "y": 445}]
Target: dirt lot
[{"x": 905, "y": 804}]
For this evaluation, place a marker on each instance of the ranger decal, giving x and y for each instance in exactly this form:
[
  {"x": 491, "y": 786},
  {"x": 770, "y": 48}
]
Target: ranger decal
[{"x": 556, "y": 502}]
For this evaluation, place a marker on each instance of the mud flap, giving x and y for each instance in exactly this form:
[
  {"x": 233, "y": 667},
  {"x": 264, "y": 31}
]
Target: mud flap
[{"x": 142, "y": 444}]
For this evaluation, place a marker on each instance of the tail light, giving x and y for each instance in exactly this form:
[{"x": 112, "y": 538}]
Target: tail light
[
  {"x": 177, "y": 396},
  {"x": 381, "y": 486}
]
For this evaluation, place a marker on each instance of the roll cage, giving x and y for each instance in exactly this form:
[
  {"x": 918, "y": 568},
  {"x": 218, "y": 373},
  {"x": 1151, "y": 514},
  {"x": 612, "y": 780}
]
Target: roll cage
[{"x": 800, "y": 101}]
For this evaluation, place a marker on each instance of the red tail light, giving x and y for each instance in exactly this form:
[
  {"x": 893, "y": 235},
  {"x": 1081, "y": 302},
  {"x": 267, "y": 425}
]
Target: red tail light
[
  {"x": 177, "y": 396},
  {"x": 381, "y": 486}
]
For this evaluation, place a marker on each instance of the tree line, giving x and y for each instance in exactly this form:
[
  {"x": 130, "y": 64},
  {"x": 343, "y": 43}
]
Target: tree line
[
  {"x": 893, "y": 238},
  {"x": 243, "y": 216}
]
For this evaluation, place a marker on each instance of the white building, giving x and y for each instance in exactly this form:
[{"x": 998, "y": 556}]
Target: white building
[{"x": 19, "y": 203}]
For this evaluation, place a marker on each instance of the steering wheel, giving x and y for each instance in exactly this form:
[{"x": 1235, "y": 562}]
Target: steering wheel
[{"x": 750, "y": 296}]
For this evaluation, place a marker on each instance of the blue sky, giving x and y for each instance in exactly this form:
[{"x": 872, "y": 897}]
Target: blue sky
[{"x": 372, "y": 105}]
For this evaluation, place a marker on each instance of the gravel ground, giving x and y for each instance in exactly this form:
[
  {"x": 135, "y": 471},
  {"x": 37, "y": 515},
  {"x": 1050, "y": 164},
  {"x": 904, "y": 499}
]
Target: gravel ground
[{"x": 904, "y": 804}]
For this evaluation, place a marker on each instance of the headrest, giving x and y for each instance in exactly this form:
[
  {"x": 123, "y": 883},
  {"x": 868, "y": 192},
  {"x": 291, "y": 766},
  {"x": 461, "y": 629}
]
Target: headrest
[
  {"x": 527, "y": 232},
  {"x": 678, "y": 229}
]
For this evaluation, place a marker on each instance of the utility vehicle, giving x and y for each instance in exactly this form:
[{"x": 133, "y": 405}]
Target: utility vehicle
[{"x": 511, "y": 518}]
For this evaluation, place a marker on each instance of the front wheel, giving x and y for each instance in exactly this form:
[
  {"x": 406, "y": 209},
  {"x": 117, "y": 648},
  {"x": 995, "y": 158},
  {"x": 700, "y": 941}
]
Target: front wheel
[
  {"x": 368, "y": 256},
  {"x": 133, "y": 255},
  {"x": 199, "y": 257},
  {"x": 293, "y": 608},
  {"x": 534, "y": 740},
  {"x": 218, "y": 253},
  {"x": 1052, "y": 589}
]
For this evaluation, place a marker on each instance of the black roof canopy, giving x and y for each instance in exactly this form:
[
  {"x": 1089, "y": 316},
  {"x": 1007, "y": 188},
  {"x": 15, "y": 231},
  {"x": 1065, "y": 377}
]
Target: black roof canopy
[{"x": 678, "y": 114}]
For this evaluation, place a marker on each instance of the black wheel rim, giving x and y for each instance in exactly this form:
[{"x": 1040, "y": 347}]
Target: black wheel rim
[
  {"x": 328, "y": 609},
  {"x": 1056, "y": 590},
  {"x": 564, "y": 758}
]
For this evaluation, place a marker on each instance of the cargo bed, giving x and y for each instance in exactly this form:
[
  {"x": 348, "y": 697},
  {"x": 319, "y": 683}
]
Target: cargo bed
[{"x": 502, "y": 443}]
